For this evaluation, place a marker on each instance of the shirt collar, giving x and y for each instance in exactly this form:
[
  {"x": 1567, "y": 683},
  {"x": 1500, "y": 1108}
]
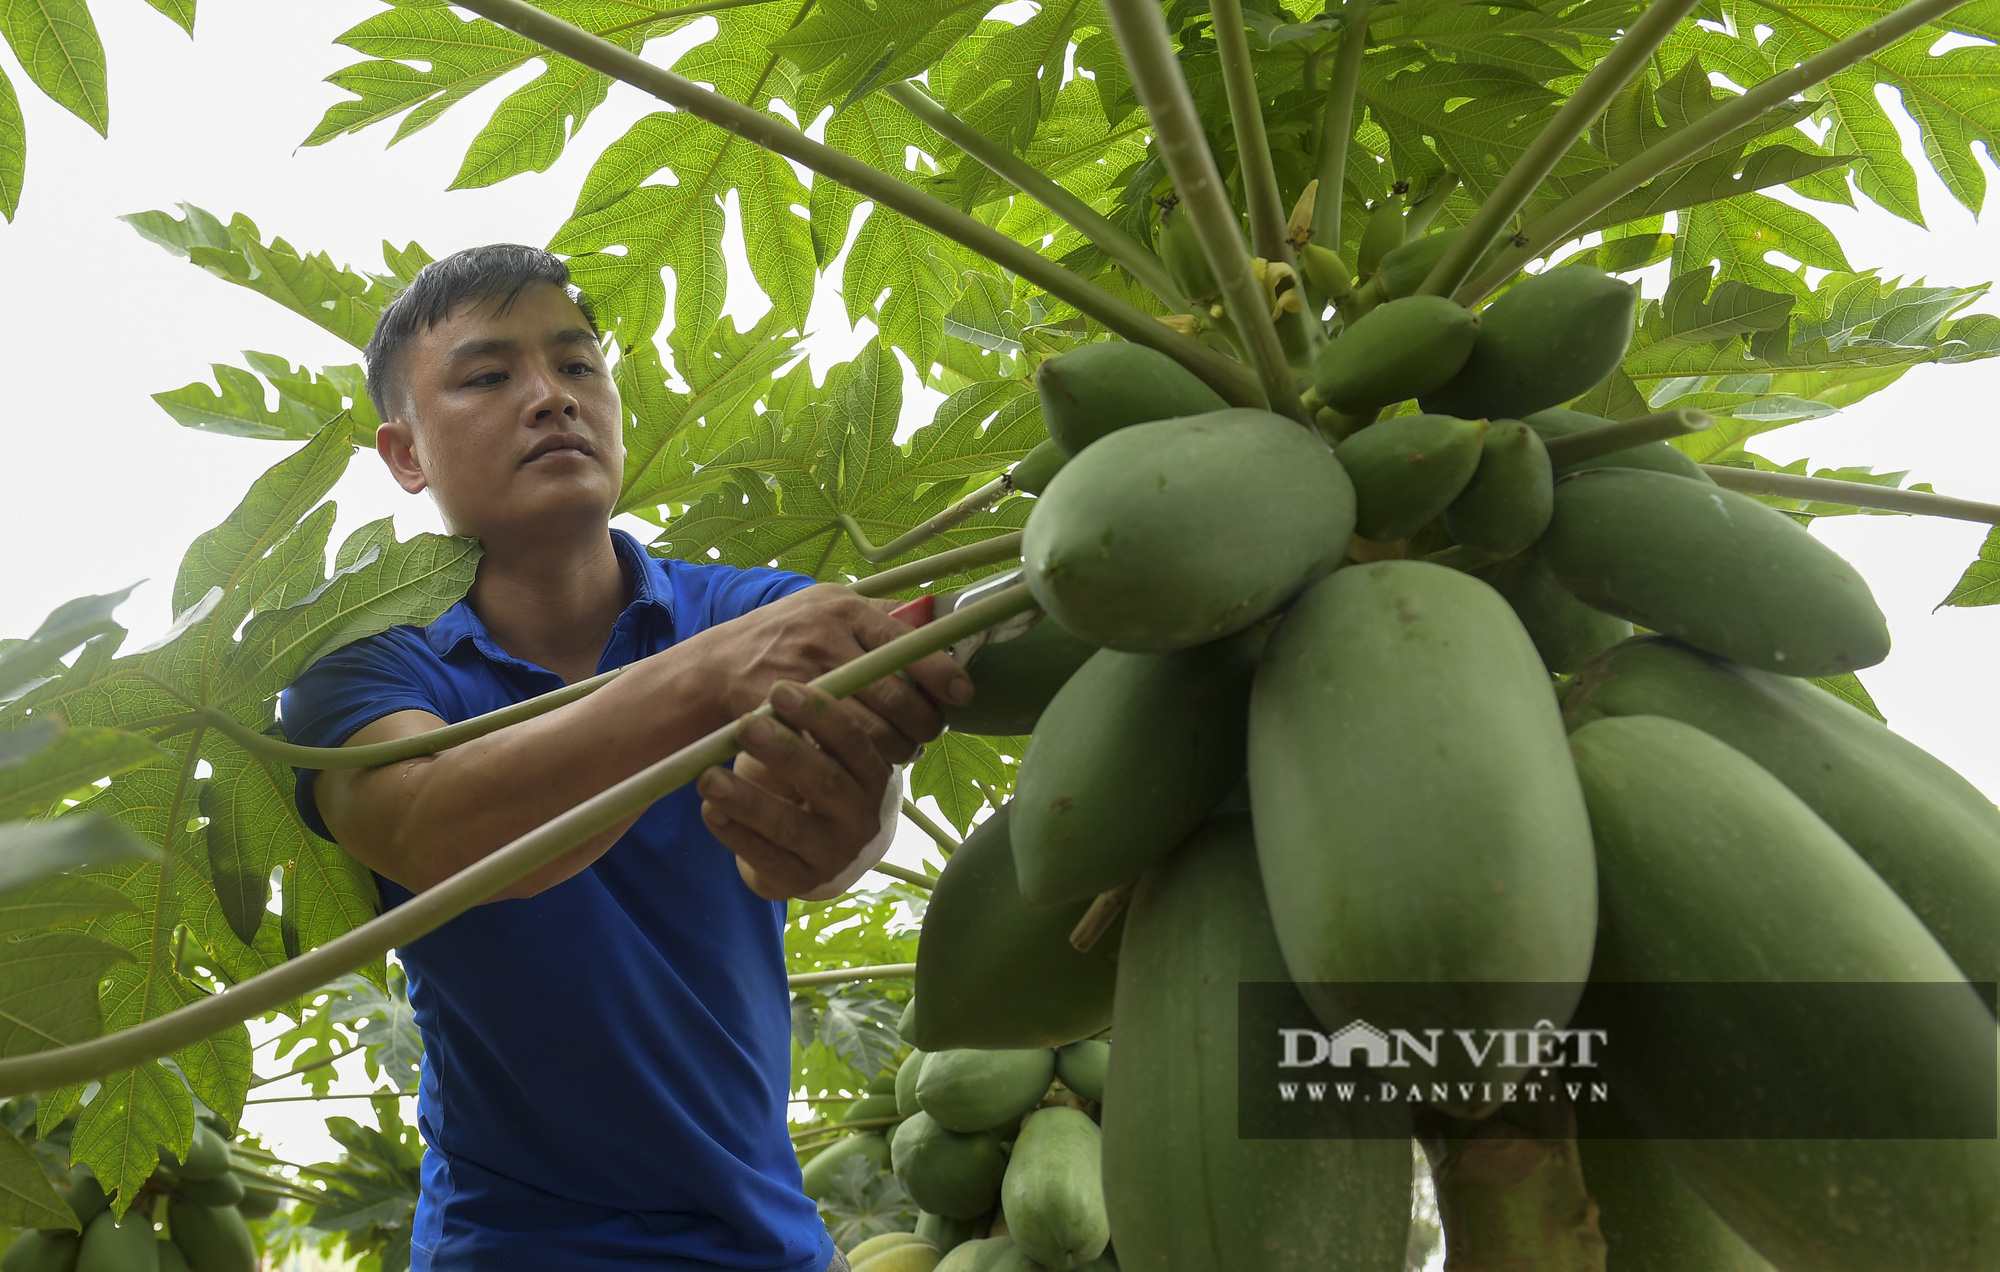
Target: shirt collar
[{"x": 649, "y": 592}]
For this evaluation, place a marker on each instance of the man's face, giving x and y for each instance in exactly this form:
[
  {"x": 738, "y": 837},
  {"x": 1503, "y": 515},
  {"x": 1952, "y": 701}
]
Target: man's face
[{"x": 512, "y": 421}]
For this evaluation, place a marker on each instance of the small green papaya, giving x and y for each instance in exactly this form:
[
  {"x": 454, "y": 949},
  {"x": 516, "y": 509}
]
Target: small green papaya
[
  {"x": 944, "y": 1232},
  {"x": 1081, "y": 1067},
  {"x": 258, "y": 1203},
  {"x": 883, "y": 1083},
  {"x": 171, "y": 1258},
  {"x": 988, "y": 1254},
  {"x": 911, "y": 1256},
  {"x": 1053, "y": 1192},
  {"x": 882, "y": 1241},
  {"x": 1183, "y": 531},
  {"x": 1381, "y": 235},
  {"x": 1137, "y": 750},
  {"x": 1181, "y": 252},
  {"x": 214, "y": 1238},
  {"x": 1395, "y": 351},
  {"x": 223, "y": 1190},
  {"x": 1651, "y": 1220},
  {"x": 947, "y": 1172},
  {"x": 111, "y": 1246},
  {"x": 1507, "y": 504},
  {"x": 1097, "y": 388},
  {"x": 907, "y": 1075},
  {"x": 1015, "y": 679},
  {"x": 994, "y": 971},
  {"x": 870, "y": 1106},
  {"x": 1567, "y": 633},
  {"x": 1326, "y": 270},
  {"x": 1407, "y": 470},
  {"x": 817, "y": 1175},
  {"x": 87, "y": 1198},
  {"x": 906, "y": 1024},
  {"x": 1714, "y": 568},
  {"x": 1404, "y": 270},
  {"x": 968, "y": 1089},
  {"x": 1548, "y": 339},
  {"x": 54, "y": 1250},
  {"x": 1031, "y": 476},
  {"x": 1658, "y": 456}
]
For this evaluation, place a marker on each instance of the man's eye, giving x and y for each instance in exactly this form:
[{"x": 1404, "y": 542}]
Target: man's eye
[
  {"x": 488, "y": 380},
  {"x": 581, "y": 367}
]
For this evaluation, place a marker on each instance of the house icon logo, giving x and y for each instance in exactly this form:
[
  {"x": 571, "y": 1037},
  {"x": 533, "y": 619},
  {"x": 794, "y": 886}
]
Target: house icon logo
[{"x": 1358, "y": 1036}]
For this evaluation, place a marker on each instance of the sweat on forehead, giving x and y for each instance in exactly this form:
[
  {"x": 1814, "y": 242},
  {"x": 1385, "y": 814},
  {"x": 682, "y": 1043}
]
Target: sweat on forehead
[{"x": 494, "y": 274}]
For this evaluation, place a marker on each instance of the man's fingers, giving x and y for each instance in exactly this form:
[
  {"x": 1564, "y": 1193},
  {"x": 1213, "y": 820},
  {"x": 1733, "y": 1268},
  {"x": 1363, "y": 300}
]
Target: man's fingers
[
  {"x": 904, "y": 709},
  {"x": 840, "y": 737},
  {"x": 937, "y": 675},
  {"x": 772, "y": 872}
]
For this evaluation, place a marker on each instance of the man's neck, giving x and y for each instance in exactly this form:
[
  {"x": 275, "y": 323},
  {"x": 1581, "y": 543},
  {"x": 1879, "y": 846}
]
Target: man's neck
[{"x": 552, "y": 602}]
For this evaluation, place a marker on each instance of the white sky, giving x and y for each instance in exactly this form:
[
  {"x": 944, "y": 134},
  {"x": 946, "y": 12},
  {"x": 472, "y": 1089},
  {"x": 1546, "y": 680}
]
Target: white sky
[{"x": 100, "y": 488}]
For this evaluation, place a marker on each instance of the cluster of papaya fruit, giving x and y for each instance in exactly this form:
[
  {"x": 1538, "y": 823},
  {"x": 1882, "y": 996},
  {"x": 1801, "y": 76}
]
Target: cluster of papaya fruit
[
  {"x": 1270, "y": 743},
  {"x": 206, "y": 1200}
]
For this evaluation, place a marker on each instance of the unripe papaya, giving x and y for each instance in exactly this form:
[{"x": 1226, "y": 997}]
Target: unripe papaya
[
  {"x": 906, "y": 1024},
  {"x": 1658, "y": 456},
  {"x": 1418, "y": 819},
  {"x": 870, "y": 1106},
  {"x": 214, "y": 1238},
  {"x": 1181, "y": 252},
  {"x": 1507, "y": 504},
  {"x": 1032, "y": 474},
  {"x": 1326, "y": 270},
  {"x": 1567, "y": 633},
  {"x": 911, "y": 1069},
  {"x": 36, "y": 1251},
  {"x": 988, "y": 1254},
  {"x": 1933, "y": 836},
  {"x": 1714, "y": 568},
  {"x": 171, "y": 1258},
  {"x": 1136, "y": 751},
  {"x": 1081, "y": 1067},
  {"x": 208, "y": 1155},
  {"x": 258, "y": 1203},
  {"x": 967, "y": 1089},
  {"x": 1407, "y": 470},
  {"x": 879, "y": 1242},
  {"x": 223, "y": 1190},
  {"x": 945, "y": 1171},
  {"x": 111, "y": 1246},
  {"x": 911, "y": 1256},
  {"x": 1015, "y": 679},
  {"x": 1097, "y": 388},
  {"x": 1053, "y": 1192},
  {"x": 993, "y": 971},
  {"x": 1383, "y": 234},
  {"x": 87, "y": 1198},
  {"x": 944, "y": 1232},
  {"x": 1179, "y": 532},
  {"x": 1184, "y": 1191},
  {"x": 1651, "y": 1220},
  {"x": 1711, "y": 872},
  {"x": 883, "y": 1083},
  {"x": 1550, "y": 338},
  {"x": 1404, "y": 270},
  {"x": 818, "y": 1173},
  {"x": 1396, "y": 351}
]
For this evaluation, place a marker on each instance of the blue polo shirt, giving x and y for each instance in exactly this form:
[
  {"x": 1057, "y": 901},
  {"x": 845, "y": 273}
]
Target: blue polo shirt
[{"x": 607, "y": 1063}]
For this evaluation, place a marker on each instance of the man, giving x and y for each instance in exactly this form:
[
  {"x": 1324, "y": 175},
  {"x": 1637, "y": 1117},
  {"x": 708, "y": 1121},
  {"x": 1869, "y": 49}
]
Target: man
[{"x": 607, "y": 1043}]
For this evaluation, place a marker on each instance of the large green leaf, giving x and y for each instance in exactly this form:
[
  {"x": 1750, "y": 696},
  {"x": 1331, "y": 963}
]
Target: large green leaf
[
  {"x": 858, "y": 44},
  {"x": 71, "y": 761},
  {"x": 1980, "y": 584},
  {"x": 13, "y": 148},
  {"x": 58, "y": 47},
  {"x": 307, "y": 401},
  {"x": 27, "y": 1198},
  {"x": 121, "y": 1132}
]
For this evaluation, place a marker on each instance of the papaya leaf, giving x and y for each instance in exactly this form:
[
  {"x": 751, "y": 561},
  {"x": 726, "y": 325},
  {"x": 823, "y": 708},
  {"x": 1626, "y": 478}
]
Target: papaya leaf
[
  {"x": 121, "y": 1131},
  {"x": 56, "y": 902},
  {"x": 306, "y": 401},
  {"x": 67, "y": 626},
  {"x": 181, "y": 11},
  {"x": 1690, "y": 311},
  {"x": 13, "y": 149},
  {"x": 27, "y": 1198},
  {"x": 242, "y": 798},
  {"x": 48, "y": 990},
  {"x": 58, "y": 47},
  {"x": 965, "y": 774},
  {"x": 385, "y": 1026},
  {"x": 1980, "y": 584},
  {"x": 36, "y": 851},
  {"x": 864, "y": 1201},
  {"x": 860, "y": 46},
  {"x": 72, "y": 760}
]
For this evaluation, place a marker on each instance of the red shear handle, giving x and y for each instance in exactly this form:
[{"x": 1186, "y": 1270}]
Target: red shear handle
[{"x": 918, "y": 612}]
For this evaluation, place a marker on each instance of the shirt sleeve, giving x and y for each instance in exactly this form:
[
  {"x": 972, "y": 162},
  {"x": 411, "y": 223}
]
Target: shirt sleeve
[
  {"x": 727, "y": 591},
  {"x": 342, "y": 694}
]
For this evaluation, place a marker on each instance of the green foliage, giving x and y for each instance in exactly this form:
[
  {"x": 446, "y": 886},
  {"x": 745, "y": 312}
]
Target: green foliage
[
  {"x": 1980, "y": 584},
  {"x": 368, "y": 1204},
  {"x": 865, "y": 1202}
]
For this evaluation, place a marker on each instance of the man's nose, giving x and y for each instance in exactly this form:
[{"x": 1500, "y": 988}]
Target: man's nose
[{"x": 552, "y": 397}]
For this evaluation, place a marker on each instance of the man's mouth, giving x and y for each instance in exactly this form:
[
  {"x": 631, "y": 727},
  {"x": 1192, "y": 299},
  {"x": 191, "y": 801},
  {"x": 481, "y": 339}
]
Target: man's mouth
[{"x": 557, "y": 446}]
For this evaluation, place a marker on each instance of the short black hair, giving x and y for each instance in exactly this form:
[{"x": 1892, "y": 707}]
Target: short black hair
[{"x": 496, "y": 272}]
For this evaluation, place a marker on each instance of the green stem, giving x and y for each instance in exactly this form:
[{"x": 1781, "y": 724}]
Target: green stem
[
  {"x": 1560, "y": 222},
  {"x": 946, "y": 844},
  {"x": 978, "y": 501},
  {"x": 1253, "y": 145},
  {"x": 842, "y": 975},
  {"x": 1627, "y": 58},
  {"x": 300, "y": 1099},
  {"x": 430, "y": 909},
  {"x": 307, "y": 1068},
  {"x": 916, "y": 878},
  {"x": 684, "y": 11},
  {"x": 1593, "y": 442},
  {"x": 773, "y": 134},
  {"x": 1510, "y": 1195},
  {"x": 1137, "y": 259},
  {"x": 1141, "y": 30},
  {"x": 1337, "y": 129},
  {"x": 1005, "y": 547},
  {"x": 866, "y": 1123},
  {"x": 1852, "y": 494}
]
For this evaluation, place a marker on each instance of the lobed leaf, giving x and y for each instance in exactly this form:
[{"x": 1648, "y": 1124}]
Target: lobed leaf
[{"x": 1980, "y": 584}]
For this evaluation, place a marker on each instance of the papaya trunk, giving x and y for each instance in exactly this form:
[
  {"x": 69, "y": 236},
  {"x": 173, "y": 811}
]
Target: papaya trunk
[{"x": 1511, "y": 1197}]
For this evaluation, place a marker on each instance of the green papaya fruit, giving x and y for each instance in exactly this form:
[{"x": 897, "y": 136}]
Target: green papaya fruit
[
  {"x": 967, "y": 1089},
  {"x": 913, "y": 1256},
  {"x": 1710, "y": 871},
  {"x": 1933, "y": 836},
  {"x": 906, "y": 1024},
  {"x": 1550, "y": 338},
  {"x": 1507, "y": 504},
  {"x": 906, "y": 1083},
  {"x": 1567, "y": 633},
  {"x": 1181, "y": 252},
  {"x": 1097, "y": 388},
  {"x": 1381, "y": 235},
  {"x": 86, "y": 1196},
  {"x": 988, "y": 1254},
  {"x": 1651, "y": 1220},
  {"x": 1660, "y": 457},
  {"x": 944, "y": 1232},
  {"x": 1081, "y": 1067},
  {"x": 1136, "y": 750},
  {"x": 258, "y": 1203},
  {"x": 994, "y": 971},
  {"x": 883, "y": 1083},
  {"x": 1015, "y": 679},
  {"x": 1179, "y": 532},
  {"x": 1418, "y": 819},
  {"x": 1404, "y": 270},
  {"x": 877, "y": 1244},
  {"x": 111, "y": 1246},
  {"x": 1031, "y": 476},
  {"x": 947, "y": 1172},
  {"x": 1184, "y": 1192},
  {"x": 817, "y": 1175},
  {"x": 38, "y": 1251},
  {"x": 214, "y": 1238},
  {"x": 1326, "y": 270},
  {"x": 1396, "y": 351},
  {"x": 1715, "y": 568},
  {"x": 208, "y": 1155},
  {"x": 1407, "y": 470},
  {"x": 223, "y": 1190},
  {"x": 1053, "y": 1192},
  {"x": 171, "y": 1258}
]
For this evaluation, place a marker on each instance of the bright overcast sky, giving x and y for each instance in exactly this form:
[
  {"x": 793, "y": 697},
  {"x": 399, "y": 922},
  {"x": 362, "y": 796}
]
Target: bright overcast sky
[{"x": 101, "y": 488}]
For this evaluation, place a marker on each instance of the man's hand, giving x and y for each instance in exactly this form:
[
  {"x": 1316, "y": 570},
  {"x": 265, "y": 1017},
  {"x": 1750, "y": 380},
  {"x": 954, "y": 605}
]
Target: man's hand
[{"x": 815, "y": 800}]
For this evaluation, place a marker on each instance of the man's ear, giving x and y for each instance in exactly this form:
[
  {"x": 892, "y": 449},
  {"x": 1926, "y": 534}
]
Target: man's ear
[{"x": 396, "y": 443}]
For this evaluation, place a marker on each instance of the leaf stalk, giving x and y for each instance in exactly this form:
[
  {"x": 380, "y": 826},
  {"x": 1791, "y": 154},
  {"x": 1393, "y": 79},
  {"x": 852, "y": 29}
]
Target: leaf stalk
[
  {"x": 1852, "y": 494},
  {"x": 978, "y": 501},
  {"x": 1337, "y": 129}
]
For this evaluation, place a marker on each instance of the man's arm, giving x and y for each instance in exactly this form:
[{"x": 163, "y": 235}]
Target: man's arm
[{"x": 795, "y": 814}]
